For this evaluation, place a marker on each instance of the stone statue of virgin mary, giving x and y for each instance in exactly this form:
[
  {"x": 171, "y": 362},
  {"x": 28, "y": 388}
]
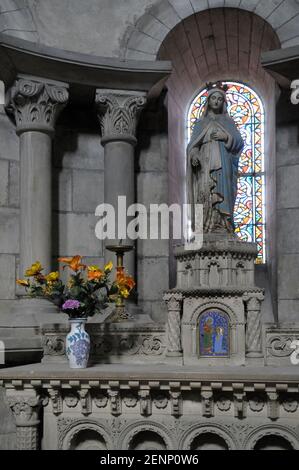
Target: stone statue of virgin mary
[{"x": 212, "y": 164}]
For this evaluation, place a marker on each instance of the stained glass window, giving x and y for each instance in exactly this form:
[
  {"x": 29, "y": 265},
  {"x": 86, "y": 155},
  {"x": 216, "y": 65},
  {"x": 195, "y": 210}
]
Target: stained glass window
[{"x": 247, "y": 110}]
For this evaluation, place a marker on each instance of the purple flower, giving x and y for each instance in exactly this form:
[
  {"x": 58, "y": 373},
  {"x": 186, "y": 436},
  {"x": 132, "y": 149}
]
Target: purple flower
[{"x": 71, "y": 305}]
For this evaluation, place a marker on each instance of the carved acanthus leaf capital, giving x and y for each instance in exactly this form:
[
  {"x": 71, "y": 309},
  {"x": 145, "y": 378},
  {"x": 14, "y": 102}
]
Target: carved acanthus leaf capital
[
  {"x": 35, "y": 105},
  {"x": 253, "y": 301},
  {"x": 118, "y": 113},
  {"x": 173, "y": 300},
  {"x": 25, "y": 409}
]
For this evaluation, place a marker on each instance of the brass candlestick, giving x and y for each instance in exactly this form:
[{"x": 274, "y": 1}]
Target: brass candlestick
[{"x": 120, "y": 313}]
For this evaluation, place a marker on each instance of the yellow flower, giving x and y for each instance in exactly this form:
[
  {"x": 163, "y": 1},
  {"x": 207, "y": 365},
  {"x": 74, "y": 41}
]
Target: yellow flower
[
  {"x": 124, "y": 292},
  {"x": 52, "y": 277},
  {"x": 23, "y": 282},
  {"x": 108, "y": 267},
  {"x": 74, "y": 263},
  {"x": 35, "y": 269},
  {"x": 94, "y": 273}
]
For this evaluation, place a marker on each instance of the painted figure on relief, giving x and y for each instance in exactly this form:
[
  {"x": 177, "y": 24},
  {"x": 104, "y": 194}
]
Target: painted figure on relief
[{"x": 212, "y": 164}]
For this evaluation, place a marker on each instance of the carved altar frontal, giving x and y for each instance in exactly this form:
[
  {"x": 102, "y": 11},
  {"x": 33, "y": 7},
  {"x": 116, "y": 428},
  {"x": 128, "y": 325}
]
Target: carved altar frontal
[{"x": 214, "y": 311}]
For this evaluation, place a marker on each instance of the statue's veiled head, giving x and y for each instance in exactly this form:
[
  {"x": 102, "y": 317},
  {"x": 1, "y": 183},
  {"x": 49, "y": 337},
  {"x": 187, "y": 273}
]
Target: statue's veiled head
[{"x": 216, "y": 102}]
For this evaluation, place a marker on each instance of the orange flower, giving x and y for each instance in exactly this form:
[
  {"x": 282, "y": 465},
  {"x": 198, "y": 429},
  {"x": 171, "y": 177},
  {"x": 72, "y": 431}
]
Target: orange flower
[
  {"x": 94, "y": 273},
  {"x": 124, "y": 282},
  {"x": 74, "y": 263}
]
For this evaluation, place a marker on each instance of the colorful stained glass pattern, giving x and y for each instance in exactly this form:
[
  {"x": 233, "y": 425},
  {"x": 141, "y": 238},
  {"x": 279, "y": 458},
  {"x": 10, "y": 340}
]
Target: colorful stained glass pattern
[
  {"x": 213, "y": 327},
  {"x": 245, "y": 107}
]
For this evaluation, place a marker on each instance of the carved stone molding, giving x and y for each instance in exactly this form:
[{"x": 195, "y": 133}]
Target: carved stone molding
[
  {"x": 57, "y": 401},
  {"x": 145, "y": 402},
  {"x": 100, "y": 400},
  {"x": 130, "y": 400},
  {"x": 223, "y": 403},
  {"x": 85, "y": 400},
  {"x": 71, "y": 400},
  {"x": 118, "y": 113},
  {"x": 207, "y": 402},
  {"x": 115, "y": 402},
  {"x": 240, "y": 404},
  {"x": 290, "y": 405},
  {"x": 256, "y": 403},
  {"x": 273, "y": 405},
  {"x": 35, "y": 104},
  {"x": 176, "y": 403},
  {"x": 128, "y": 434},
  {"x": 69, "y": 428},
  {"x": 160, "y": 401}
]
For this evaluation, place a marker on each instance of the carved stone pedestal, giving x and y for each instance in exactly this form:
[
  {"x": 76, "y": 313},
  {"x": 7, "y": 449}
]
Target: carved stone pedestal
[{"x": 214, "y": 312}]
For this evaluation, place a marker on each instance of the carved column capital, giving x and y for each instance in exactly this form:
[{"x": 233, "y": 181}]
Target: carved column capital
[
  {"x": 35, "y": 104},
  {"x": 118, "y": 113},
  {"x": 295, "y": 92},
  {"x": 174, "y": 301},
  {"x": 26, "y": 412}
]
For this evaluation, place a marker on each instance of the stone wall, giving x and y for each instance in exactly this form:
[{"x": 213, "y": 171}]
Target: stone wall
[{"x": 287, "y": 202}]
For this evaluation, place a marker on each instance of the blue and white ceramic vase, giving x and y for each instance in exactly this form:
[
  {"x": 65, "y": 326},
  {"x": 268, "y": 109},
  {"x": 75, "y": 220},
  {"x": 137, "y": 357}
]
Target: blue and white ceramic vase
[{"x": 78, "y": 344}]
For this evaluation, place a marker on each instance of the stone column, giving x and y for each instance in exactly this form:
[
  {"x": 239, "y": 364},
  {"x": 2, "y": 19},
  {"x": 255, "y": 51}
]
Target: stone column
[
  {"x": 26, "y": 412},
  {"x": 174, "y": 306},
  {"x": 35, "y": 105},
  {"x": 118, "y": 113},
  {"x": 254, "y": 325}
]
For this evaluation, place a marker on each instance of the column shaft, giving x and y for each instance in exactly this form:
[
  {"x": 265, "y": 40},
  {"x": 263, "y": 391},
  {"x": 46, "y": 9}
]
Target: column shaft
[{"x": 36, "y": 195}]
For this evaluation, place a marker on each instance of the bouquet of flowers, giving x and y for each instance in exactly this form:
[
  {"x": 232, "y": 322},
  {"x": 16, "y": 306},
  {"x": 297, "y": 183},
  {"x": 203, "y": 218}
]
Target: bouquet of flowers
[{"x": 87, "y": 291}]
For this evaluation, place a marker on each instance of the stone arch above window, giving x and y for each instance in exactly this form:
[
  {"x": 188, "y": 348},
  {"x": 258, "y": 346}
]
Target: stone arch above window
[
  {"x": 143, "y": 39},
  {"x": 247, "y": 110}
]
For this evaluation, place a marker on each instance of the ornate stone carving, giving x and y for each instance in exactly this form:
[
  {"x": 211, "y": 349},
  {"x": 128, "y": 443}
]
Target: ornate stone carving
[
  {"x": 279, "y": 345},
  {"x": 71, "y": 400},
  {"x": 290, "y": 405},
  {"x": 115, "y": 402},
  {"x": 130, "y": 400},
  {"x": 207, "y": 402},
  {"x": 176, "y": 403},
  {"x": 35, "y": 105},
  {"x": 174, "y": 305},
  {"x": 240, "y": 404},
  {"x": 223, "y": 403},
  {"x": 26, "y": 409},
  {"x": 256, "y": 403},
  {"x": 118, "y": 113},
  {"x": 144, "y": 345},
  {"x": 86, "y": 401},
  {"x": 145, "y": 402},
  {"x": 54, "y": 345},
  {"x": 56, "y": 399},
  {"x": 160, "y": 402},
  {"x": 254, "y": 325},
  {"x": 273, "y": 405},
  {"x": 100, "y": 400}
]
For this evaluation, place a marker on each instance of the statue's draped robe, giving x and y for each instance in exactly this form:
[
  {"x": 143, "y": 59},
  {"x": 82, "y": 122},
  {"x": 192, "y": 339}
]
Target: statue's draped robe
[{"x": 213, "y": 182}]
